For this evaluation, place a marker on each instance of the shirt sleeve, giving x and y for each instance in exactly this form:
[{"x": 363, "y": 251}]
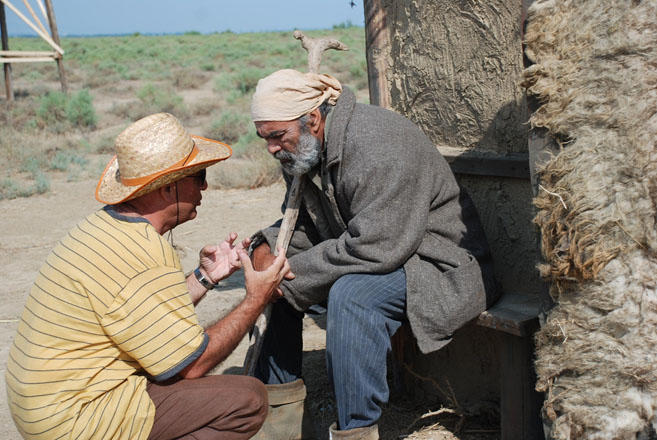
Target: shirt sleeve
[{"x": 152, "y": 319}]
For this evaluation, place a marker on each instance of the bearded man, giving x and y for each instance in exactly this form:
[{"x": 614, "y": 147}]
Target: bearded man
[{"x": 384, "y": 235}]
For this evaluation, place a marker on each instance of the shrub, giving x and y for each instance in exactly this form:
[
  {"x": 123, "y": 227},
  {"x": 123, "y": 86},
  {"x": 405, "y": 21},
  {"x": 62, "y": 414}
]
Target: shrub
[
  {"x": 229, "y": 127},
  {"x": 9, "y": 189},
  {"x": 80, "y": 110},
  {"x": 205, "y": 106},
  {"x": 52, "y": 111},
  {"x": 155, "y": 99},
  {"x": 41, "y": 183},
  {"x": 358, "y": 70},
  {"x": 188, "y": 78},
  {"x": 252, "y": 171},
  {"x": 222, "y": 83},
  {"x": 62, "y": 160},
  {"x": 248, "y": 142},
  {"x": 250, "y": 167},
  {"x": 246, "y": 80},
  {"x": 58, "y": 112}
]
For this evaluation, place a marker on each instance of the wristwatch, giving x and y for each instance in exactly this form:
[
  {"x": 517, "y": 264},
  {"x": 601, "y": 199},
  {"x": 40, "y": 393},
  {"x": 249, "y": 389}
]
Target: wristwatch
[{"x": 203, "y": 280}]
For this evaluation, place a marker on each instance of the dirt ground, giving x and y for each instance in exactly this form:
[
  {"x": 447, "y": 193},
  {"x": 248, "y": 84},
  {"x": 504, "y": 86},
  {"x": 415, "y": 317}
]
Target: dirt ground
[{"x": 32, "y": 226}]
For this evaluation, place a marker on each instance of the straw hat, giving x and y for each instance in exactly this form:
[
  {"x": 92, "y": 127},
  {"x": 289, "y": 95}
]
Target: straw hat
[{"x": 153, "y": 152}]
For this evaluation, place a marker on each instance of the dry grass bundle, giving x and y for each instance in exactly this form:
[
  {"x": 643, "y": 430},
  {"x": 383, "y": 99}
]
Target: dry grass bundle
[{"x": 595, "y": 75}]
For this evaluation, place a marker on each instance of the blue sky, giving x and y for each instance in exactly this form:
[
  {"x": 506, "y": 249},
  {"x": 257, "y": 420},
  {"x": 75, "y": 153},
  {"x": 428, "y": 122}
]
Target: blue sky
[{"x": 101, "y": 17}]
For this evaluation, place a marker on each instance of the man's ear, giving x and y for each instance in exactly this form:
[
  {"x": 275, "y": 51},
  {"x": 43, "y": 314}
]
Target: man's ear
[
  {"x": 168, "y": 192},
  {"x": 315, "y": 122}
]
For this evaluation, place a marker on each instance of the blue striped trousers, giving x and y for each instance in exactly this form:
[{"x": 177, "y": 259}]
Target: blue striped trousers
[{"x": 364, "y": 311}]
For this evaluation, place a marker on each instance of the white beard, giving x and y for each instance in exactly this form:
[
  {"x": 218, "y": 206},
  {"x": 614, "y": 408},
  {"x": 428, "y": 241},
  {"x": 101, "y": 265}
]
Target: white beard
[{"x": 305, "y": 158}]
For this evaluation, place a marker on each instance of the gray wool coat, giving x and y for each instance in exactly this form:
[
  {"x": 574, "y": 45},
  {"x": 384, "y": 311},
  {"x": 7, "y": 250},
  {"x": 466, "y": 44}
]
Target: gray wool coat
[{"x": 385, "y": 198}]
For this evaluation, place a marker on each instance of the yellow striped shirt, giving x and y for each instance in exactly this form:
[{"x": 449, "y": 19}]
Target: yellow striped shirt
[{"x": 109, "y": 307}]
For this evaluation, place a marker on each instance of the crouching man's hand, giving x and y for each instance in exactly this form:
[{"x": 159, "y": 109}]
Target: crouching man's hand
[{"x": 262, "y": 285}]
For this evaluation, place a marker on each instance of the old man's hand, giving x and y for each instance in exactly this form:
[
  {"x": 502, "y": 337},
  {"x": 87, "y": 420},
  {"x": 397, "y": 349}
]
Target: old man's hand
[{"x": 262, "y": 286}]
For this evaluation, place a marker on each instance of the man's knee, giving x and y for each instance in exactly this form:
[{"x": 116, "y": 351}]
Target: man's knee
[
  {"x": 254, "y": 400},
  {"x": 343, "y": 293},
  {"x": 249, "y": 404}
]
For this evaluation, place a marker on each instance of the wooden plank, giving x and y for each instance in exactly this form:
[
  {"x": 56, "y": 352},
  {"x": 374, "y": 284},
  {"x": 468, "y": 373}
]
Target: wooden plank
[
  {"x": 42, "y": 9},
  {"x": 478, "y": 163},
  {"x": 519, "y": 402},
  {"x": 24, "y": 53},
  {"x": 26, "y": 60},
  {"x": 5, "y": 46},
  {"x": 55, "y": 35},
  {"x": 513, "y": 314},
  {"x": 46, "y": 37},
  {"x": 36, "y": 19}
]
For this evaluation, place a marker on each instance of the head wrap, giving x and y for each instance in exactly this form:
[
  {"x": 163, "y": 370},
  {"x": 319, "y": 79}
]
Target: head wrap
[{"x": 287, "y": 94}]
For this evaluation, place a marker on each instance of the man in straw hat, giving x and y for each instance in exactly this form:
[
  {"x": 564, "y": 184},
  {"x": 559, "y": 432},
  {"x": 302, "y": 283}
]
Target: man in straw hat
[
  {"x": 384, "y": 235},
  {"x": 109, "y": 345}
]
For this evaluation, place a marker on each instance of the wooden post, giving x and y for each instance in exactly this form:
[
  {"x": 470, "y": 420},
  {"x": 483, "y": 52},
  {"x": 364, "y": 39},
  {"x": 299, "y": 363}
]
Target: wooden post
[
  {"x": 377, "y": 52},
  {"x": 55, "y": 37},
  {"x": 520, "y": 404},
  {"x": 5, "y": 46}
]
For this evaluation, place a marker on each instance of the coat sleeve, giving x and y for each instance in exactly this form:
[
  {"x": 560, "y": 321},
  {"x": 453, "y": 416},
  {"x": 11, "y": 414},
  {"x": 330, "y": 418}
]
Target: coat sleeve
[{"x": 304, "y": 237}]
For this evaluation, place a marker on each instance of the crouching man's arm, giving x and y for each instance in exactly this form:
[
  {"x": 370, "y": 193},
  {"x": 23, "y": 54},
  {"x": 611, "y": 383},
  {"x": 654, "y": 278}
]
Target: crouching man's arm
[
  {"x": 226, "y": 334},
  {"x": 216, "y": 262}
]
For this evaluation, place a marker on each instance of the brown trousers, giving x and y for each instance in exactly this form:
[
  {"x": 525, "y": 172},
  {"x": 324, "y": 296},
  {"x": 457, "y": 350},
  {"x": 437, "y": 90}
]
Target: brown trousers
[{"x": 221, "y": 407}]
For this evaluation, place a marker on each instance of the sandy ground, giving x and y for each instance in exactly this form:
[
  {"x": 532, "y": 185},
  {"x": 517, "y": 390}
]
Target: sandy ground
[{"x": 31, "y": 227}]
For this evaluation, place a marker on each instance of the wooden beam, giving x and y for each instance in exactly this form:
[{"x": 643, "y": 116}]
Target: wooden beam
[
  {"x": 26, "y": 60},
  {"x": 55, "y": 36},
  {"x": 5, "y": 46},
  {"x": 45, "y": 36},
  {"x": 43, "y": 10},
  {"x": 513, "y": 313},
  {"x": 36, "y": 19},
  {"x": 520, "y": 404},
  {"x": 24, "y": 53},
  {"x": 479, "y": 163}
]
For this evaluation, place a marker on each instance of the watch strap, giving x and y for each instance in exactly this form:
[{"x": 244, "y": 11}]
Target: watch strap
[{"x": 203, "y": 280}]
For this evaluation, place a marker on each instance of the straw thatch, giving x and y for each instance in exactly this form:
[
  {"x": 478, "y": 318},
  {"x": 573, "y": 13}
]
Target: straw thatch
[{"x": 595, "y": 75}]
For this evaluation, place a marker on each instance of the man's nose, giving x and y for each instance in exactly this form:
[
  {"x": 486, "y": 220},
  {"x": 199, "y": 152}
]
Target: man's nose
[
  {"x": 273, "y": 147},
  {"x": 205, "y": 185}
]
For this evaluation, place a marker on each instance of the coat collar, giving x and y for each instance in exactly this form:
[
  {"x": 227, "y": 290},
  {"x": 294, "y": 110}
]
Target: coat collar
[{"x": 339, "y": 122}]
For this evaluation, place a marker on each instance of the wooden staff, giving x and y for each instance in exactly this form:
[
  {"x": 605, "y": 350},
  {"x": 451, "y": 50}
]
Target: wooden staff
[
  {"x": 282, "y": 242},
  {"x": 315, "y": 48}
]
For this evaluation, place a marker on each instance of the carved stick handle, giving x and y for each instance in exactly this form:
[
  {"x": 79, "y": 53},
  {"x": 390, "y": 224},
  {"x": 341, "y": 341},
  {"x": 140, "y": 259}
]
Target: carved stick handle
[{"x": 283, "y": 240}]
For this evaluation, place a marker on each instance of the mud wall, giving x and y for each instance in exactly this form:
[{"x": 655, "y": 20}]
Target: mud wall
[{"x": 454, "y": 68}]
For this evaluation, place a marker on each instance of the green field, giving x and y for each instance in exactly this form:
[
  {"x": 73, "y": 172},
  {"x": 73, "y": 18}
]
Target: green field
[{"x": 205, "y": 80}]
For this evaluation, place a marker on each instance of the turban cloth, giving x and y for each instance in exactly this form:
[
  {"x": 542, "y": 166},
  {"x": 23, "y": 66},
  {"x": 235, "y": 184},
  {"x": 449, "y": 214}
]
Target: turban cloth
[{"x": 287, "y": 94}]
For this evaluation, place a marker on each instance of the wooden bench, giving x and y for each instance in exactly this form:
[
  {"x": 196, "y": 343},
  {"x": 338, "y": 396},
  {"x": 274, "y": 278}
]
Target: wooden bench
[{"x": 515, "y": 317}]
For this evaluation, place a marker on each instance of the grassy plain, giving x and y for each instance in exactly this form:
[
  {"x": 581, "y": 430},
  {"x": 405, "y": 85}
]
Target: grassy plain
[{"x": 205, "y": 80}]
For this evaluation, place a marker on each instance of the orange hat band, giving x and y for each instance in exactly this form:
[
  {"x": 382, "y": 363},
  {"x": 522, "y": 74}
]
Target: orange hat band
[{"x": 145, "y": 179}]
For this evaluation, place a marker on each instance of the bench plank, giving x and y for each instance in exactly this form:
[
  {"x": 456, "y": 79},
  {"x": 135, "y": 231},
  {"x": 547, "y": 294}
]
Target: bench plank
[{"x": 512, "y": 313}]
